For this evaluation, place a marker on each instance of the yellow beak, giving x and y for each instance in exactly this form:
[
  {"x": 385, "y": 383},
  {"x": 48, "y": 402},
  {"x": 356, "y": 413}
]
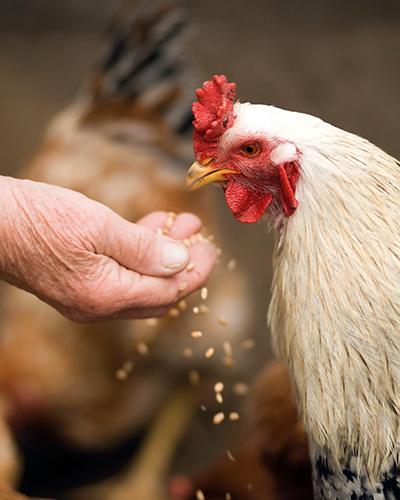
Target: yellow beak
[{"x": 200, "y": 174}]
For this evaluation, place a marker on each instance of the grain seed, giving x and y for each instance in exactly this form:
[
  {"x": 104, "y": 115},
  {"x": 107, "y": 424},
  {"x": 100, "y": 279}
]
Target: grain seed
[
  {"x": 121, "y": 374},
  {"x": 241, "y": 389},
  {"x": 200, "y": 495},
  {"x": 204, "y": 309},
  {"x": 194, "y": 377},
  {"x": 183, "y": 286},
  {"x": 248, "y": 344},
  {"x": 190, "y": 266},
  {"x": 174, "y": 312},
  {"x": 218, "y": 418},
  {"x": 228, "y": 496},
  {"x": 128, "y": 366},
  {"x": 231, "y": 265},
  {"x": 226, "y": 346},
  {"x": 233, "y": 415},
  {"x": 187, "y": 352},
  {"x": 219, "y": 398},
  {"x": 182, "y": 305},
  {"x": 230, "y": 456},
  {"x": 209, "y": 352},
  {"x": 222, "y": 320},
  {"x": 196, "y": 310},
  {"x": 219, "y": 387},
  {"x": 228, "y": 362},
  {"x": 196, "y": 334},
  {"x": 204, "y": 293},
  {"x": 152, "y": 322},
  {"x": 142, "y": 348}
]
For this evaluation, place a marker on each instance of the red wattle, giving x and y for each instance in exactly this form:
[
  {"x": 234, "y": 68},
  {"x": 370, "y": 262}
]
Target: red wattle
[{"x": 247, "y": 205}]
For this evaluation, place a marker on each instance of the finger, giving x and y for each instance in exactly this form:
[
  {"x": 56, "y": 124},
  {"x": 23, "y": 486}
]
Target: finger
[
  {"x": 142, "y": 250},
  {"x": 138, "y": 296}
]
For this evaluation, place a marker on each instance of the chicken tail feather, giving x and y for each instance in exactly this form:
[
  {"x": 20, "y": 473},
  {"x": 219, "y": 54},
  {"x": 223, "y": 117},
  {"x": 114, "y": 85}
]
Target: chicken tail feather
[{"x": 142, "y": 71}]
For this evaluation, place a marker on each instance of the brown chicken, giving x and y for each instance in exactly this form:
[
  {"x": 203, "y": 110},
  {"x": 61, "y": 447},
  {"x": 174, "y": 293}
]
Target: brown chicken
[{"x": 122, "y": 142}]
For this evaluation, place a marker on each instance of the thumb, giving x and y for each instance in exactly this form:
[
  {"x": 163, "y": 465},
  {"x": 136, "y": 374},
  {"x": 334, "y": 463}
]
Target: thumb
[{"x": 144, "y": 251}]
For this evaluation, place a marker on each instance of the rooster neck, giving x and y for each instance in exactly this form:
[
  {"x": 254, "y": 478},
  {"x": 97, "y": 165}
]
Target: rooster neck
[{"x": 335, "y": 309}]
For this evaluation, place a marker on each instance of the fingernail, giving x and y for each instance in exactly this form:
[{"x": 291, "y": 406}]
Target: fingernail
[{"x": 174, "y": 255}]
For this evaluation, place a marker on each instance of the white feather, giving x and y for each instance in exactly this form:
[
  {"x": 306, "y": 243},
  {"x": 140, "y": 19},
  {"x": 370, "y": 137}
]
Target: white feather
[{"x": 335, "y": 309}]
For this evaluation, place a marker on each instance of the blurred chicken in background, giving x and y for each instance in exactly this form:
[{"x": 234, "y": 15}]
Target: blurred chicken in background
[
  {"x": 270, "y": 460},
  {"x": 94, "y": 387}
]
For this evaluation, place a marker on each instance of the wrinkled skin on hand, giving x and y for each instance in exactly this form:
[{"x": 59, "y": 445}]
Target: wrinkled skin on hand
[{"x": 89, "y": 263}]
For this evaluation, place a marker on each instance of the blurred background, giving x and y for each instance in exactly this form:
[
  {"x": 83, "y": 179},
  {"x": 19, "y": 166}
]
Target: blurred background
[{"x": 336, "y": 59}]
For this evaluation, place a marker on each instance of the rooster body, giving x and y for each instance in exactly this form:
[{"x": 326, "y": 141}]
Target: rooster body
[{"x": 334, "y": 200}]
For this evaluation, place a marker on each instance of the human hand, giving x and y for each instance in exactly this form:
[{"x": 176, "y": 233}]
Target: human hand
[{"x": 90, "y": 264}]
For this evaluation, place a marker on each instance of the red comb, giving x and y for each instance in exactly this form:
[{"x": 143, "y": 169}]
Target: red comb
[{"x": 213, "y": 115}]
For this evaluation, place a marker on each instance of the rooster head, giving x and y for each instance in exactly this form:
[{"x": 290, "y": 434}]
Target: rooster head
[{"x": 234, "y": 148}]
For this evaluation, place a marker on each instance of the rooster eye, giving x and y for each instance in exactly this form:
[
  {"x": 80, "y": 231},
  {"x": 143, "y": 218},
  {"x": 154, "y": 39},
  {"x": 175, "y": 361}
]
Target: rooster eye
[{"x": 250, "y": 149}]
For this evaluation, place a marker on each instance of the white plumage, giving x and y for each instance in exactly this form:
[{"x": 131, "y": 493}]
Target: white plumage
[{"x": 335, "y": 308}]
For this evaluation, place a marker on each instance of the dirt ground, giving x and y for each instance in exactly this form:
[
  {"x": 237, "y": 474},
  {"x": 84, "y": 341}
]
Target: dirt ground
[{"x": 339, "y": 60}]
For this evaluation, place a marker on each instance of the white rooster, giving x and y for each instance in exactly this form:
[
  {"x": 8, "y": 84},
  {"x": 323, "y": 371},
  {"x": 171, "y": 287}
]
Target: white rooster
[{"x": 334, "y": 199}]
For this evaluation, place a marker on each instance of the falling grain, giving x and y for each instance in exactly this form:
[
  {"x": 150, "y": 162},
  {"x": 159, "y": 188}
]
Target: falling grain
[
  {"x": 222, "y": 320},
  {"x": 209, "y": 352},
  {"x": 152, "y": 322},
  {"x": 196, "y": 310},
  {"x": 121, "y": 374},
  {"x": 128, "y": 366},
  {"x": 228, "y": 496},
  {"x": 230, "y": 456},
  {"x": 219, "y": 387},
  {"x": 226, "y": 346},
  {"x": 200, "y": 495},
  {"x": 203, "y": 408},
  {"x": 248, "y": 344},
  {"x": 233, "y": 416},
  {"x": 187, "y": 352},
  {"x": 240, "y": 388},
  {"x": 204, "y": 293},
  {"x": 231, "y": 265},
  {"x": 218, "y": 418},
  {"x": 174, "y": 312},
  {"x": 228, "y": 362},
  {"x": 142, "y": 348},
  {"x": 196, "y": 334},
  {"x": 204, "y": 309},
  {"x": 182, "y": 305},
  {"x": 219, "y": 398},
  {"x": 194, "y": 377}
]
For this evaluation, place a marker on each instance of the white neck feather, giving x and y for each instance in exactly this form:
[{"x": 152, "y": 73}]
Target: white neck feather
[{"x": 335, "y": 309}]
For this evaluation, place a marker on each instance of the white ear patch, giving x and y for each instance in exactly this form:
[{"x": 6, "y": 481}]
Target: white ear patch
[{"x": 284, "y": 153}]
